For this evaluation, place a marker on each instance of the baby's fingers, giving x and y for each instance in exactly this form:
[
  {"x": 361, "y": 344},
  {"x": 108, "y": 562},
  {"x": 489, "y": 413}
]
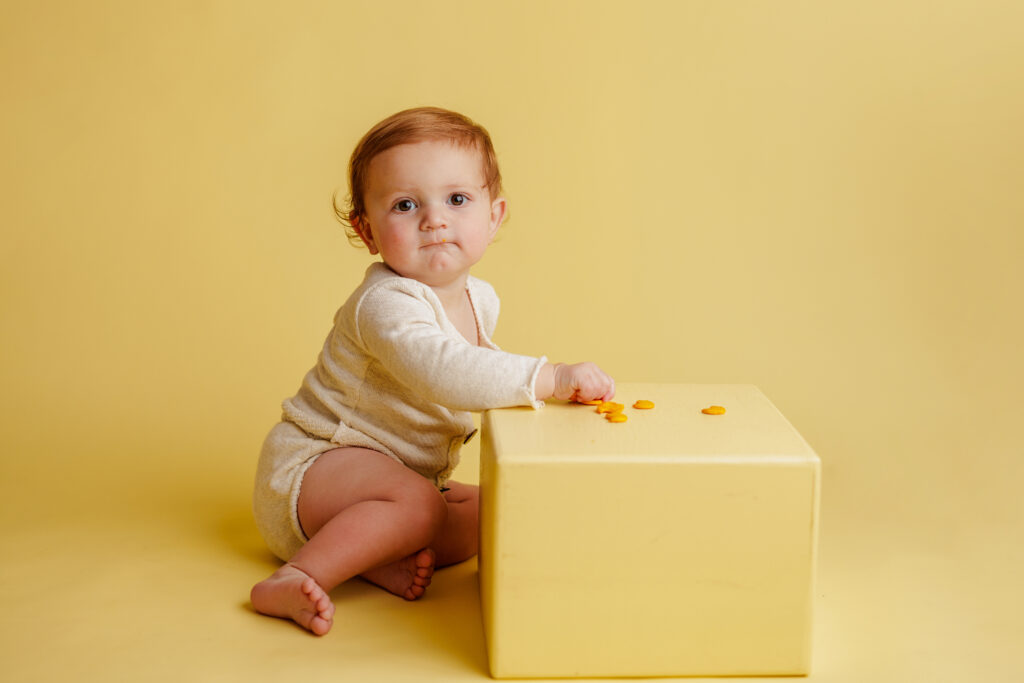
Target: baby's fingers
[
  {"x": 593, "y": 383},
  {"x": 610, "y": 393}
]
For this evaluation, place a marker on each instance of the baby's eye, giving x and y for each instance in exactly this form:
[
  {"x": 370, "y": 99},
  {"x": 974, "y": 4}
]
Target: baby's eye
[
  {"x": 458, "y": 199},
  {"x": 405, "y": 205}
]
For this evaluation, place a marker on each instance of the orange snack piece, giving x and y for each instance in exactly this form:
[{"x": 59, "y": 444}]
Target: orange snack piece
[
  {"x": 616, "y": 417},
  {"x": 610, "y": 407},
  {"x": 714, "y": 410},
  {"x": 643, "y": 405},
  {"x": 595, "y": 402}
]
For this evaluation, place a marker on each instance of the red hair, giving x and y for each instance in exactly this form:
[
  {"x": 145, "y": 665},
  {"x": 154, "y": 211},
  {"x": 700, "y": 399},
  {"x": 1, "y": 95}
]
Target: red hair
[{"x": 405, "y": 127}]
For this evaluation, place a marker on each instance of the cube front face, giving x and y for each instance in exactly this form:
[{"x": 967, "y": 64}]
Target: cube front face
[{"x": 620, "y": 558}]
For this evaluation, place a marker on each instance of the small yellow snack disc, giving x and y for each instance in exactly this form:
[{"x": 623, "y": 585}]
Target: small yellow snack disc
[
  {"x": 592, "y": 403},
  {"x": 610, "y": 407},
  {"x": 616, "y": 417},
  {"x": 643, "y": 405},
  {"x": 714, "y": 410}
]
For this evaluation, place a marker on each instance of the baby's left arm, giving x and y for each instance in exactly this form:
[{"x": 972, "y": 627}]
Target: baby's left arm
[{"x": 400, "y": 330}]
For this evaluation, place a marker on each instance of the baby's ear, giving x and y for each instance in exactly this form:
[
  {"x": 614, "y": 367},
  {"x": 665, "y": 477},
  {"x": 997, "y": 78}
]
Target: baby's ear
[
  {"x": 362, "y": 229},
  {"x": 498, "y": 209}
]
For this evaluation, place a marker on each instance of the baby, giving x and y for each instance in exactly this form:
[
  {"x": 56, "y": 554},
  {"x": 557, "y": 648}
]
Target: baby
[{"x": 354, "y": 479}]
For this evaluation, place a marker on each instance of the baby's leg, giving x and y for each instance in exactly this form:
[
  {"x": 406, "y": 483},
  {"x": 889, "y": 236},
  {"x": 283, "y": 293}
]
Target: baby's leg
[
  {"x": 456, "y": 542},
  {"x": 362, "y": 512},
  {"x": 459, "y": 538}
]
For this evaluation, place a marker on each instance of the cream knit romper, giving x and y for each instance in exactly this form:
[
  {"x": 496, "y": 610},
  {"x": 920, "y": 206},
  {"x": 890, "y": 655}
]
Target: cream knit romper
[{"x": 394, "y": 376}]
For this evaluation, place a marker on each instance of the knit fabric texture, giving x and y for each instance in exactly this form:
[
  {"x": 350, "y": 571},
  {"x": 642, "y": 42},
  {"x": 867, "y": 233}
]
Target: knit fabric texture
[{"x": 396, "y": 375}]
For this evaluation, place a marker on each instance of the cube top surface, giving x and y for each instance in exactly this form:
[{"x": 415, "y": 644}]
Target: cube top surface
[{"x": 752, "y": 429}]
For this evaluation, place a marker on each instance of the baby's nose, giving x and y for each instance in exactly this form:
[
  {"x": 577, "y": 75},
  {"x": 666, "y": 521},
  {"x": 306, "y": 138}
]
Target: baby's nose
[{"x": 433, "y": 219}]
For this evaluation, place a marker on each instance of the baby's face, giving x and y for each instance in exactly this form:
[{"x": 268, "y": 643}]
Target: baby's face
[{"x": 428, "y": 211}]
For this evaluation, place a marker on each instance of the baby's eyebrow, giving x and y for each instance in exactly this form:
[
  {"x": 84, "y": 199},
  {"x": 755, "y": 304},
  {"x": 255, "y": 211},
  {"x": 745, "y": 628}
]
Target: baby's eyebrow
[
  {"x": 415, "y": 191},
  {"x": 462, "y": 184}
]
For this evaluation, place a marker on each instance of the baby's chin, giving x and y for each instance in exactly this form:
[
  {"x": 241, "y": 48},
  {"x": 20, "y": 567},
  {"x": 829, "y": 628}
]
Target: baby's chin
[{"x": 442, "y": 268}]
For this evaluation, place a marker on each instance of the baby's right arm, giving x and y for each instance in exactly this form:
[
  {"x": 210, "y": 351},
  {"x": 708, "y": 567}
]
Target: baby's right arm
[{"x": 579, "y": 382}]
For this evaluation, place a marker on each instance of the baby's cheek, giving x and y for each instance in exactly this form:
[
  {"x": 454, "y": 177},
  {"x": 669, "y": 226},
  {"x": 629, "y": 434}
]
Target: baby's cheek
[{"x": 398, "y": 244}]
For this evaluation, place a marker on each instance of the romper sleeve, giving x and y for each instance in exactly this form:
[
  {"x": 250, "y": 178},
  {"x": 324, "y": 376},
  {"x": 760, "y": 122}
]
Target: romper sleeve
[{"x": 401, "y": 329}]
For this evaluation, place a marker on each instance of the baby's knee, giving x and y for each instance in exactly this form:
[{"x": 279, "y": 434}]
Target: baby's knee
[
  {"x": 426, "y": 511},
  {"x": 473, "y": 497},
  {"x": 463, "y": 494}
]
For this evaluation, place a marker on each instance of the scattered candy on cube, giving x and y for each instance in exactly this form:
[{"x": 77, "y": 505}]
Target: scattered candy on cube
[{"x": 613, "y": 411}]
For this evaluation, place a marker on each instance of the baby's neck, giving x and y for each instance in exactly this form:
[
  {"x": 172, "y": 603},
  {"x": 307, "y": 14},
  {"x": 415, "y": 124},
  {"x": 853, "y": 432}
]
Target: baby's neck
[
  {"x": 459, "y": 309},
  {"x": 452, "y": 295}
]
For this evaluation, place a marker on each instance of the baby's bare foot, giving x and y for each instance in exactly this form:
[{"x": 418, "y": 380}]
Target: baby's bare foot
[
  {"x": 291, "y": 593},
  {"x": 408, "y": 577}
]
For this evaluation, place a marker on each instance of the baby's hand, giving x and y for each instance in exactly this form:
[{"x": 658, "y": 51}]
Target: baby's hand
[{"x": 582, "y": 382}]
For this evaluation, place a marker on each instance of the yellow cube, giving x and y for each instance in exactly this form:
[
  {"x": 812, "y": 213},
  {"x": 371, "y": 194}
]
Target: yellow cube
[{"x": 675, "y": 544}]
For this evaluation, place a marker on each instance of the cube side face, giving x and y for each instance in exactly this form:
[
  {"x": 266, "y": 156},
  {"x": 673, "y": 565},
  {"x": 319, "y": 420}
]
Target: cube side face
[
  {"x": 647, "y": 568},
  {"x": 489, "y": 533}
]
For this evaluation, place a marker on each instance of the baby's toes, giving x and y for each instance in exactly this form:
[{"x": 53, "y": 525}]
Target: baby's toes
[
  {"x": 425, "y": 560},
  {"x": 317, "y": 595},
  {"x": 319, "y": 625},
  {"x": 312, "y": 589},
  {"x": 325, "y": 608}
]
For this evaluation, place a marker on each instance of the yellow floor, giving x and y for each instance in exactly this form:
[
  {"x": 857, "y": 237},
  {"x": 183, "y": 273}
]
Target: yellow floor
[{"x": 143, "y": 575}]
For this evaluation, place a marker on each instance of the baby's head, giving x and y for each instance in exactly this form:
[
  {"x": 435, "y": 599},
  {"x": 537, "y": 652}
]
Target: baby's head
[{"x": 406, "y": 127}]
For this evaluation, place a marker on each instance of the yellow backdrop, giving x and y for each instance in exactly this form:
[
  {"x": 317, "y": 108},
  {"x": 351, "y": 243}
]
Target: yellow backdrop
[{"x": 823, "y": 199}]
